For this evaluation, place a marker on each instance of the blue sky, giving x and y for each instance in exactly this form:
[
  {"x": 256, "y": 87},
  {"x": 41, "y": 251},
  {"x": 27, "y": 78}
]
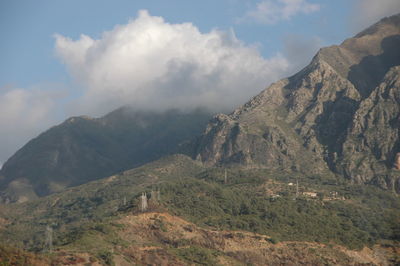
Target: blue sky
[
  {"x": 227, "y": 49},
  {"x": 28, "y": 27}
]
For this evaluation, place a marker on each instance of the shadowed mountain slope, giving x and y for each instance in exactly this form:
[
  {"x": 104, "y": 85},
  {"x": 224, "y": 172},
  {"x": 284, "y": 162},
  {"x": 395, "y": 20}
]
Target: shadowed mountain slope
[{"x": 83, "y": 149}]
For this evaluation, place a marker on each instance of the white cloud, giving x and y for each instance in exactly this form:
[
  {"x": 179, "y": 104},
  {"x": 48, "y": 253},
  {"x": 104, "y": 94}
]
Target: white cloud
[
  {"x": 367, "y": 12},
  {"x": 156, "y": 65},
  {"x": 23, "y": 114},
  {"x": 148, "y": 63},
  {"x": 273, "y": 11}
]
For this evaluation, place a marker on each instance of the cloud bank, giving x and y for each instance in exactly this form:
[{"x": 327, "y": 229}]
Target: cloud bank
[
  {"x": 300, "y": 50},
  {"x": 367, "y": 12},
  {"x": 273, "y": 11},
  {"x": 147, "y": 63},
  {"x": 152, "y": 64},
  {"x": 23, "y": 114}
]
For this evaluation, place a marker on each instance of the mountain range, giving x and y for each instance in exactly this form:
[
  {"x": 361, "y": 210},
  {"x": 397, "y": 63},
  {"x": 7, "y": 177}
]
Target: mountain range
[
  {"x": 339, "y": 115},
  {"x": 305, "y": 172}
]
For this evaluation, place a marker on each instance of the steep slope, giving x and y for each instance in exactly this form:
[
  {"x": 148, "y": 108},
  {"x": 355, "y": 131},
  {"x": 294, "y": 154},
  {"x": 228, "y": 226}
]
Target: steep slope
[
  {"x": 373, "y": 139},
  {"x": 305, "y": 122},
  {"x": 83, "y": 149}
]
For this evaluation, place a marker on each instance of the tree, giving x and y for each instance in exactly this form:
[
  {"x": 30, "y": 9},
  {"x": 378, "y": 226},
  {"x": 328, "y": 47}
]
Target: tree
[{"x": 320, "y": 195}]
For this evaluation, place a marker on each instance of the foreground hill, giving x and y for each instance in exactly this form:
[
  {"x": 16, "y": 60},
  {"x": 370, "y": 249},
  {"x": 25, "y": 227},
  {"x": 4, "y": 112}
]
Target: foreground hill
[
  {"x": 339, "y": 115},
  {"x": 83, "y": 149},
  {"x": 158, "y": 238},
  {"x": 252, "y": 216}
]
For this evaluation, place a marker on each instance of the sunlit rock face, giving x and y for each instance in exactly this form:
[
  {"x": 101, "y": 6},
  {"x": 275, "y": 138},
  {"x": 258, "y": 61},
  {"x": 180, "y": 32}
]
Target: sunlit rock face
[
  {"x": 340, "y": 114},
  {"x": 397, "y": 161}
]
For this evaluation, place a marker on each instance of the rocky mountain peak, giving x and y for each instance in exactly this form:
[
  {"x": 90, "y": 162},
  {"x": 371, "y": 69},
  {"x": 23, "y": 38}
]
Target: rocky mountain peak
[
  {"x": 384, "y": 25},
  {"x": 338, "y": 115},
  {"x": 365, "y": 59}
]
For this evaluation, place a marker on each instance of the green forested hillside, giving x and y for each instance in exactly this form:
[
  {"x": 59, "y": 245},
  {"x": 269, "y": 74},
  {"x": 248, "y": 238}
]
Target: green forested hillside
[
  {"x": 250, "y": 200},
  {"x": 83, "y": 149}
]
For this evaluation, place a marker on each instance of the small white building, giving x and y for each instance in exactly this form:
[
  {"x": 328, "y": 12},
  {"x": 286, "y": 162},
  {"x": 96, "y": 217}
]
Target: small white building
[{"x": 310, "y": 194}]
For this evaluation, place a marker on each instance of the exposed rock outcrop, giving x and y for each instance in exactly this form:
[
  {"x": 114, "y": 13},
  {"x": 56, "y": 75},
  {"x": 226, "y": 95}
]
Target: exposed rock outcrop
[
  {"x": 373, "y": 137},
  {"x": 397, "y": 161}
]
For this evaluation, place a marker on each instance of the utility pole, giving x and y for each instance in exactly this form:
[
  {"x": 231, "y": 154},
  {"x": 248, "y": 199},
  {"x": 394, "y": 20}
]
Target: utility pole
[
  {"x": 225, "y": 178},
  {"x": 143, "y": 205},
  {"x": 49, "y": 239}
]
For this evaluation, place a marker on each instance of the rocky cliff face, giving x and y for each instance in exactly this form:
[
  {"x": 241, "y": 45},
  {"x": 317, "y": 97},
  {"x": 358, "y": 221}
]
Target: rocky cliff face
[
  {"x": 83, "y": 149},
  {"x": 373, "y": 140},
  {"x": 340, "y": 114}
]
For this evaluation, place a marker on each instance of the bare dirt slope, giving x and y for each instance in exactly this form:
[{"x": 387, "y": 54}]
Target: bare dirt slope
[
  {"x": 163, "y": 239},
  {"x": 159, "y": 238}
]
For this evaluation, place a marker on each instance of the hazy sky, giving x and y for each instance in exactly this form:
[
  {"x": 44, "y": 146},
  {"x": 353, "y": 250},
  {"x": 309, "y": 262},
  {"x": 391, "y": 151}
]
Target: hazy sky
[{"x": 73, "y": 57}]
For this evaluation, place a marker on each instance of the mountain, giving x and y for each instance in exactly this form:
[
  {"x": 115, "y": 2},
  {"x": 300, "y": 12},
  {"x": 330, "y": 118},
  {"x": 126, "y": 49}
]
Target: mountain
[
  {"x": 339, "y": 116},
  {"x": 265, "y": 184},
  {"x": 83, "y": 149}
]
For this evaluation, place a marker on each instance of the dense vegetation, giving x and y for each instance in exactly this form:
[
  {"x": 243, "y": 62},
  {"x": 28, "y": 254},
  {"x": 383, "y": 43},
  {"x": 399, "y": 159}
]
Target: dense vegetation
[
  {"x": 84, "y": 217},
  {"x": 368, "y": 216}
]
